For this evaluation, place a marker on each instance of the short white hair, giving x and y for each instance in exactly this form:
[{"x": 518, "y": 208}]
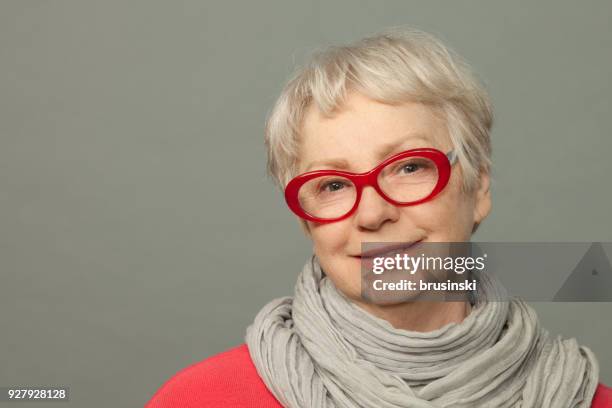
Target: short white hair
[{"x": 397, "y": 65}]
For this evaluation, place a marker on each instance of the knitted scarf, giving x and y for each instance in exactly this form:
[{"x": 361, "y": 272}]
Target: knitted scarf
[{"x": 318, "y": 349}]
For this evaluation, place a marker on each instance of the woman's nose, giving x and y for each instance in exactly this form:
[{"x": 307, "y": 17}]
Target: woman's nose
[{"x": 373, "y": 210}]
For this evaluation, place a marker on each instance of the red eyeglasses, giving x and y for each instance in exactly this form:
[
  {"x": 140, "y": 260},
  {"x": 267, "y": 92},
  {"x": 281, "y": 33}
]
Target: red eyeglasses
[{"x": 407, "y": 178}]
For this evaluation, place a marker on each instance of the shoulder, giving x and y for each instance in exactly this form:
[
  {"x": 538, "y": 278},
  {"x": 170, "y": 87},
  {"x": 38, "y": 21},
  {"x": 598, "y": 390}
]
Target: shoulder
[
  {"x": 602, "y": 398},
  {"x": 227, "y": 379}
]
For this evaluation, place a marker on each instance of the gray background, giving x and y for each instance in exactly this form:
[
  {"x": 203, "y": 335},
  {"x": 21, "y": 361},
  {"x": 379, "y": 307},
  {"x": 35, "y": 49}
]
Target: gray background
[{"x": 139, "y": 233}]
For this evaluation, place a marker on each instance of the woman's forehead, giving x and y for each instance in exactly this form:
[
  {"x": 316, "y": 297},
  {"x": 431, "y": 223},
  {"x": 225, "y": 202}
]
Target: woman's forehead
[
  {"x": 364, "y": 119},
  {"x": 367, "y": 132}
]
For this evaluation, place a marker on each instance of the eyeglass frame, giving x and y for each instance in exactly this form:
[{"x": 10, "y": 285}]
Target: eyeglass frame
[{"x": 443, "y": 162}]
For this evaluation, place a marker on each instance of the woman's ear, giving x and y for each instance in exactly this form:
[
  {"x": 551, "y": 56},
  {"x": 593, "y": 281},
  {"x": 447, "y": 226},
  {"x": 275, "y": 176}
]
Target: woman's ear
[{"x": 482, "y": 199}]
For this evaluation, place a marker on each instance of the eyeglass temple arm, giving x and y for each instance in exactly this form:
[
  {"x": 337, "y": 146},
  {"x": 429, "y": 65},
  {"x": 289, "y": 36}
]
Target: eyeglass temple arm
[{"x": 452, "y": 156}]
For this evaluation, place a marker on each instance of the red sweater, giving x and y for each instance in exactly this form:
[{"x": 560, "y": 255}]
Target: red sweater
[{"x": 229, "y": 379}]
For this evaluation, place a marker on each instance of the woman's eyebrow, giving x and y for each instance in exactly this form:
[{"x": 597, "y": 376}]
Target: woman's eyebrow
[
  {"x": 334, "y": 163},
  {"x": 392, "y": 147},
  {"x": 384, "y": 151}
]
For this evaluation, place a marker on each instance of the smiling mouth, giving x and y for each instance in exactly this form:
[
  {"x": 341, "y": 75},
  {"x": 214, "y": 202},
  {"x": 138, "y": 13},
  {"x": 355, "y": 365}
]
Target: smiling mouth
[{"x": 382, "y": 250}]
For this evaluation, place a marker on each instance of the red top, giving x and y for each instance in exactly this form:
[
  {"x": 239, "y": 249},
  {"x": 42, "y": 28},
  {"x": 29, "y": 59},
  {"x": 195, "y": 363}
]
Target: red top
[{"x": 229, "y": 379}]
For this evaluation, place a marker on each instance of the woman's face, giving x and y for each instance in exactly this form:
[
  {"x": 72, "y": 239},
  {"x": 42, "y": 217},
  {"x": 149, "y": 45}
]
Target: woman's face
[{"x": 363, "y": 134}]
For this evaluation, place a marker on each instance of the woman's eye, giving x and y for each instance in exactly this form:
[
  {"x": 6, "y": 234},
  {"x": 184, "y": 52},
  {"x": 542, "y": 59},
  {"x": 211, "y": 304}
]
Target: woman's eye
[
  {"x": 332, "y": 186},
  {"x": 409, "y": 168}
]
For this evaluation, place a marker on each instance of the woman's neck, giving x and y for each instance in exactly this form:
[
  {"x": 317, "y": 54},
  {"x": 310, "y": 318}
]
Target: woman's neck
[{"x": 421, "y": 316}]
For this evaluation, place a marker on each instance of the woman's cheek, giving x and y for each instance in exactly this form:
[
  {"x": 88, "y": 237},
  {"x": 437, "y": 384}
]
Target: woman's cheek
[{"x": 330, "y": 237}]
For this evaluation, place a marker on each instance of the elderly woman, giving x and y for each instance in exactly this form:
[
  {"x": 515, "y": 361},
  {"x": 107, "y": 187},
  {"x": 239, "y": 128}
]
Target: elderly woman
[{"x": 352, "y": 120}]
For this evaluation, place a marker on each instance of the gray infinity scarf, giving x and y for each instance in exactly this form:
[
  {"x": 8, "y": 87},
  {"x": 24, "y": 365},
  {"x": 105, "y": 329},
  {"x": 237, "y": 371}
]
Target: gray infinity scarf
[{"x": 317, "y": 349}]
